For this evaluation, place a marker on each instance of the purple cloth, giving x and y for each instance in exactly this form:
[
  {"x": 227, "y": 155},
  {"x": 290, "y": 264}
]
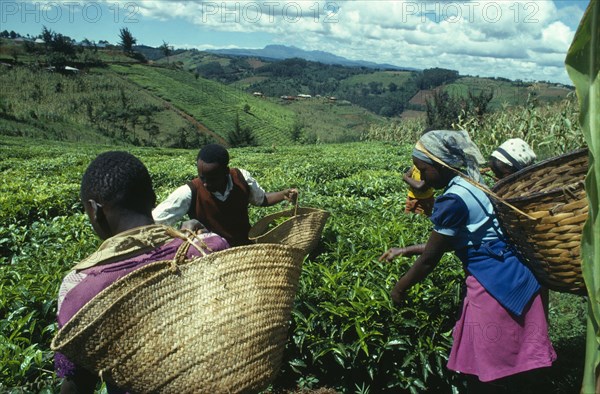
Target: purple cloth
[
  {"x": 492, "y": 343},
  {"x": 100, "y": 277}
]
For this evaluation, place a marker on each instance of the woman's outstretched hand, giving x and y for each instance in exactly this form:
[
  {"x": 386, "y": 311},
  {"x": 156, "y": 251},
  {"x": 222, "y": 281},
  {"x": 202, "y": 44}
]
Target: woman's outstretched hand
[
  {"x": 290, "y": 195},
  {"x": 392, "y": 253}
]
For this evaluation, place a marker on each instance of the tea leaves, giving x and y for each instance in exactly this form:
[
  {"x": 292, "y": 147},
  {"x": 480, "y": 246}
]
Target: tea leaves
[{"x": 345, "y": 332}]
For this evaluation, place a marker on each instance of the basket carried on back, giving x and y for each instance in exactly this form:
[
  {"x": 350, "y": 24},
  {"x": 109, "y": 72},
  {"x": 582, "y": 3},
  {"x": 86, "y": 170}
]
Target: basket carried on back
[
  {"x": 553, "y": 193},
  {"x": 297, "y": 227},
  {"x": 214, "y": 324}
]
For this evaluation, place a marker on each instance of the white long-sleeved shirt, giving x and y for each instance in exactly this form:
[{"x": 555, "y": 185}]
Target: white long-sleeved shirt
[{"x": 178, "y": 203}]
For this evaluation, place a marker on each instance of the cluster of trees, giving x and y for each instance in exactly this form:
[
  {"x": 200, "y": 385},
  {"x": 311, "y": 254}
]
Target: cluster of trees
[
  {"x": 389, "y": 100},
  {"x": 57, "y": 49},
  {"x": 123, "y": 119},
  {"x": 236, "y": 69},
  {"x": 293, "y": 76},
  {"x": 444, "y": 111},
  {"x": 188, "y": 137},
  {"x": 12, "y": 34},
  {"x": 433, "y": 77}
]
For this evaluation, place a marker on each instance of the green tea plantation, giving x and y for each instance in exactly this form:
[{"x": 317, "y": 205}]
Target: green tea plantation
[{"x": 345, "y": 332}]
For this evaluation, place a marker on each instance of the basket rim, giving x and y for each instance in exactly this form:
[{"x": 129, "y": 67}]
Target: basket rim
[
  {"x": 544, "y": 163},
  {"x": 579, "y": 185},
  {"x": 299, "y": 214},
  {"x": 72, "y": 329}
]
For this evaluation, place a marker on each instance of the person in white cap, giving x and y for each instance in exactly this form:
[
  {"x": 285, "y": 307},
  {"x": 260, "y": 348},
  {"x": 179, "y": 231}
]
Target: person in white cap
[{"x": 510, "y": 157}]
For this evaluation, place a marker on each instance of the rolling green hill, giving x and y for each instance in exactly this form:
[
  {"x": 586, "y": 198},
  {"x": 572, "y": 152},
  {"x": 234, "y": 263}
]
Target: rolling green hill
[
  {"x": 119, "y": 100},
  {"x": 323, "y": 120},
  {"x": 509, "y": 92},
  {"x": 389, "y": 93},
  {"x": 193, "y": 97},
  {"x": 213, "y": 104},
  {"x": 136, "y": 104},
  {"x": 385, "y": 78}
]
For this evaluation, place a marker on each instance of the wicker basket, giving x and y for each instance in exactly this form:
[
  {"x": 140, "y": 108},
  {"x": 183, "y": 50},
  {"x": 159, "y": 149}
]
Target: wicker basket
[
  {"x": 553, "y": 193},
  {"x": 302, "y": 229},
  {"x": 216, "y": 324}
]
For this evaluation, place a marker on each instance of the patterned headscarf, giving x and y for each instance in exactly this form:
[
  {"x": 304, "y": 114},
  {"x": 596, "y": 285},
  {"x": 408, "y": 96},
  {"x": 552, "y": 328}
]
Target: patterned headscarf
[
  {"x": 454, "y": 148},
  {"x": 516, "y": 153}
]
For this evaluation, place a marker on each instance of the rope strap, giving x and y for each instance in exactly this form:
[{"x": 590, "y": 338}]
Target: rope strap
[
  {"x": 422, "y": 148},
  {"x": 191, "y": 239}
]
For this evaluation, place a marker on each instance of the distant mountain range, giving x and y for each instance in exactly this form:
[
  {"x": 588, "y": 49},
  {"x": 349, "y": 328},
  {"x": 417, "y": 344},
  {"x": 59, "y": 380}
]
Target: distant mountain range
[{"x": 279, "y": 52}]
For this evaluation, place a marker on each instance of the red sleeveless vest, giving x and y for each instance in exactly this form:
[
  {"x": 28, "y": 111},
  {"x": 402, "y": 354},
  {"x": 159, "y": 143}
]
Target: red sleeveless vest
[{"x": 227, "y": 218}]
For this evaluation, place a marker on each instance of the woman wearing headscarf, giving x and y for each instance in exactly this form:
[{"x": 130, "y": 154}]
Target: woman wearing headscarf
[
  {"x": 502, "y": 331},
  {"x": 513, "y": 155}
]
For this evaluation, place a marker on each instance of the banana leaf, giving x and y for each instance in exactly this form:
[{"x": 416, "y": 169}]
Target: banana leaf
[{"x": 583, "y": 64}]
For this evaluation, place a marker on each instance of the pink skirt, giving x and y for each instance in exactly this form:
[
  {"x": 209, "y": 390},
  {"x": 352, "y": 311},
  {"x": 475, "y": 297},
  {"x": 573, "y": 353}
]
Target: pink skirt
[{"x": 491, "y": 343}]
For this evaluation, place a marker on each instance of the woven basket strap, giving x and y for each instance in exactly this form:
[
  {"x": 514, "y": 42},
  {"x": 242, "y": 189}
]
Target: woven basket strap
[
  {"x": 472, "y": 181},
  {"x": 193, "y": 240}
]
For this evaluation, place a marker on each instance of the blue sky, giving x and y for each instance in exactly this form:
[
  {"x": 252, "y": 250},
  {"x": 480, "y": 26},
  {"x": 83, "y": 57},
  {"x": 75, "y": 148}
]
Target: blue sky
[{"x": 525, "y": 40}]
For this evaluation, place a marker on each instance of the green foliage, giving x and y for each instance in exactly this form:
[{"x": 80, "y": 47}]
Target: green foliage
[
  {"x": 38, "y": 256},
  {"x": 583, "y": 66},
  {"x": 321, "y": 120},
  {"x": 189, "y": 138},
  {"x": 94, "y": 107},
  {"x": 397, "y": 131},
  {"x": 444, "y": 110},
  {"x": 345, "y": 333},
  {"x": 127, "y": 39},
  {"x": 213, "y": 104},
  {"x": 552, "y": 129},
  {"x": 240, "y": 136},
  {"x": 57, "y": 49},
  {"x": 166, "y": 49},
  {"x": 434, "y": 77}
]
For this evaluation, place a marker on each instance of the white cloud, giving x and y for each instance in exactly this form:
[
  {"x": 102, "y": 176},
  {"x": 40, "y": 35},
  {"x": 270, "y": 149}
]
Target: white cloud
[{"x": 515, "y": 39}]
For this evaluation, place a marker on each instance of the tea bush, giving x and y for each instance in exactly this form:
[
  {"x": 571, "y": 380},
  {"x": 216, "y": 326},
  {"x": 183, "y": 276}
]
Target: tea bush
[{"x": 345, "y": 333}]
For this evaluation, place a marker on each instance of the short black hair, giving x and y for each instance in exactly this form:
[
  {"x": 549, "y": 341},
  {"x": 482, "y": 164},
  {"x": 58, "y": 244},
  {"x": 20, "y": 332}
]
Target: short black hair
[
  {"x": 120, "y": 179},
  {"x": 214, "y": 153}
]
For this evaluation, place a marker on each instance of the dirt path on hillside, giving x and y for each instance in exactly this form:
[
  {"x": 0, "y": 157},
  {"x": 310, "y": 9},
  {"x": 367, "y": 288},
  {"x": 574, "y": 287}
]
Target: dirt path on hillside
[{"x": 198, "y": 125}]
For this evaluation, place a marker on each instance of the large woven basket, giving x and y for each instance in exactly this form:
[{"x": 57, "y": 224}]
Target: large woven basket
[
  {"x": 553, "y": 193},
  {"x": 215, "y": 324},
  {"x": 297, "y": 227}
]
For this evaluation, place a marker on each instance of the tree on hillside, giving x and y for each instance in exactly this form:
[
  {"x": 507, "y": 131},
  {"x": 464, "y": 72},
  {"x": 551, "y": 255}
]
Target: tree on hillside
[
  {"x": 434, "y": 77},
  {"x": 127, "y": 39},
  {"x": 166, "y": 50},
  {"x": 46, "y": 35},
  {"x": 480, "y": 102},
  {"x": 445, "y": 110},
  {"x": 63, "y": 45},
  {"x": 240, "y": 136}
]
